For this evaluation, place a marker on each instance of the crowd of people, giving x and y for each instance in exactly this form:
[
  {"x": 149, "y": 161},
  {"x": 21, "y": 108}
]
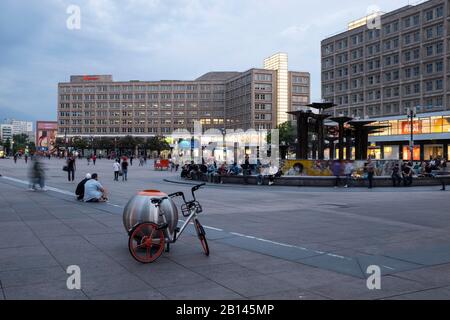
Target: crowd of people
[{"x": 213, "y": 173}]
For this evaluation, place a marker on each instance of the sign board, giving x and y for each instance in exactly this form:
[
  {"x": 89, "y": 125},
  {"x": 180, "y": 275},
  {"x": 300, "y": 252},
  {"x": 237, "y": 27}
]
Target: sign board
[{"x": 406, "y": 127}]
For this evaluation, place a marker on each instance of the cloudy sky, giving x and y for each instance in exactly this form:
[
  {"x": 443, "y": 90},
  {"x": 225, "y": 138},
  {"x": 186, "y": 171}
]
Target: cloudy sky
[{"x": 157, "y": 39}]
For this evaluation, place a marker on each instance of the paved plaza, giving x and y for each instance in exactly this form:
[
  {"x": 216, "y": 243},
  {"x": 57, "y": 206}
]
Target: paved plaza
[{"x": 266, "y": 242}]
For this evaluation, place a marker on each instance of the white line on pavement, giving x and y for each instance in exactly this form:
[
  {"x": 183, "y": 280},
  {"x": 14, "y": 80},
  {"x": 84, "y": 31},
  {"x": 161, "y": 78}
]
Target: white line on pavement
[{"x": 207, "y": 227}]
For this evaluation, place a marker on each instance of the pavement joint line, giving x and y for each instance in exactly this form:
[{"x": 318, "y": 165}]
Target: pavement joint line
[{"x": 57, "y": 190}]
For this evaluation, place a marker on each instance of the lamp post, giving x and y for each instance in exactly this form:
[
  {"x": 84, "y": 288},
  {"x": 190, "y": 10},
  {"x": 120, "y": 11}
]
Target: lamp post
[
  {"x": 411, "y": 113},
  {"x": 224, "y": 132}
]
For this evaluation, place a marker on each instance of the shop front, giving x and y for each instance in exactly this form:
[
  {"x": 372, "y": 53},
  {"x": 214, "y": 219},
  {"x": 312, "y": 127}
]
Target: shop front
[{"x": 430, "y": 137}]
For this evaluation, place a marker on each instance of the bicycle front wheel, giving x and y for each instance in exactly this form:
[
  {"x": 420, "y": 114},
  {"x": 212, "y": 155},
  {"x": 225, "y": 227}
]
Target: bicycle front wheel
[
  {"x": 202, "y": 236},
  {"x": 146, "y": 242}
]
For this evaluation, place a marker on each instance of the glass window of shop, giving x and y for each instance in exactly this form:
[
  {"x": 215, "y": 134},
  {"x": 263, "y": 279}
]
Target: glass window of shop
[
  {"x": 420, "y": 126},
  {"x": 432, "y": 151},
  {"x": 407, "y": 153},
  {"x": 391, "y": 152},
  {"x": 446, "y": 124}
]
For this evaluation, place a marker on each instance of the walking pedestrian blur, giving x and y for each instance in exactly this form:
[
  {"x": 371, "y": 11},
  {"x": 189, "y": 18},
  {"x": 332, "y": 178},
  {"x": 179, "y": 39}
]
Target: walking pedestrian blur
[
  {"x": 37, "y": 175},
  {"x": 141, "y": 161},
  {"x": 370, "y": 172},
  {"x": 26, "y": 158},
  {"x": 131, "y": 160},
  {"x": 88, "y": 158},
  {"x": 336, "y": 168},
  {"x": 71, "y": 167},
  {"x": 15, "y": 157},
  {"x": 125, "y": 169},
  {"x": 348, "y": 171}
]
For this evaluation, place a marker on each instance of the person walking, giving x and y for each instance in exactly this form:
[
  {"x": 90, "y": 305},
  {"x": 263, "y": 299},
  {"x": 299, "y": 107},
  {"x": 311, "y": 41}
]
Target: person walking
[
  {"x": 94, "y": 159},
  {"x": 15, "y": 158},
  {"x": 125, "y": 169},
  {"x": 336, "y": 168},
  {"x": 26, "y": 158},
  {"x": 116, "y": 169},
  {"x": 348, "y": 171},
  {"x": 131, "y": 161},
  {"x": 37, "y": 176},
  {"x": 71, "y": 167},
  {"x": 370, "y": 172}
]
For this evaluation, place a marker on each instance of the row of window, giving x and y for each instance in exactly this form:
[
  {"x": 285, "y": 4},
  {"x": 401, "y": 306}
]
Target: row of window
[
  {"x": 134, "y": 88},
  {"x": 143, "y": 96},
  {"x": 429, "y": 86},
  {"x": 389, "y": 28}
]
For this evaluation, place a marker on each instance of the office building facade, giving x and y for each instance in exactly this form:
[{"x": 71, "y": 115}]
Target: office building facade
[
  {"x": 387, "y": 63},
  {"x": 96, "y": 105}
]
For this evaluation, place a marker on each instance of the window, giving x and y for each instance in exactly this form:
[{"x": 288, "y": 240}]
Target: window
[
  {"x": 263, "y": 77},
  {"x": 429, "y": 15},
  {"x": 439, "y": 85},
  {"x": 429, "y": 86},
  {"x": 429, "y": 68}
]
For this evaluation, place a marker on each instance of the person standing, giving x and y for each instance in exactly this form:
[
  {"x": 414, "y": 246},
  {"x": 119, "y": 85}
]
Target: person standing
[
  {"x": 15, "y": 158},
  {"x": 26, "y": 158},
  {"x": 116, "y": 168},
  {"x": 94, "y": 159},
  {"x": 336, "y": 168},
  {"x": 407, "y": 174},
  {"x": 125, "y": 169},
  {"x": 370, "y": 172},
  {"x": 131, "y": 161},
  {"x": 71, "y": 168}
]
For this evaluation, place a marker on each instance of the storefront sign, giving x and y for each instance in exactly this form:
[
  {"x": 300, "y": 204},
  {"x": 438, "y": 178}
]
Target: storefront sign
[{"x": 406, "y": 127}]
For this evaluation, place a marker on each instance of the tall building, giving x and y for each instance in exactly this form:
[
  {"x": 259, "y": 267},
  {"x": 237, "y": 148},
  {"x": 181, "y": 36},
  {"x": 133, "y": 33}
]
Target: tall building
[
  {"x": 374, "y": 70},
  {"x": 279, "y": 63},
  {"x": 6, "y": 132},
  {"x": 96, "y": 105},
  {"x": 389, "y": 62},
  {"x": 22, "y": 127}
]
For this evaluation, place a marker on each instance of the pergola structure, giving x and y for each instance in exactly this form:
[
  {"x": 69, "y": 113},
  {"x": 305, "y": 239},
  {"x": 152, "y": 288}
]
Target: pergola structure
[{"x": 303, "y": 118}]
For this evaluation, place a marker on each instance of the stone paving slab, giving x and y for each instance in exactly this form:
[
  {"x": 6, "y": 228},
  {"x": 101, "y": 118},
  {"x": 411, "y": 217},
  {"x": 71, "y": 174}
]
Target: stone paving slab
[{"x": 65, "y": 231}]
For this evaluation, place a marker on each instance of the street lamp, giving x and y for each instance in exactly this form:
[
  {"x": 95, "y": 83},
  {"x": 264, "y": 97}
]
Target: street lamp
[
  {"x": 224, "y": 132},
  {"x": 411, "y": 113}
]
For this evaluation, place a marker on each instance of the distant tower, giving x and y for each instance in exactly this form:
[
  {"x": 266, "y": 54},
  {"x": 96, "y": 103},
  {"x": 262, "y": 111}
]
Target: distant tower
[{"x": 279, "y": 62}]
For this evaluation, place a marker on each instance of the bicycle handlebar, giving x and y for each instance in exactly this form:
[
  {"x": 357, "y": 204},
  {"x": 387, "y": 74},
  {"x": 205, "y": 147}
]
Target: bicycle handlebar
[{"x": 181, "y": 194}]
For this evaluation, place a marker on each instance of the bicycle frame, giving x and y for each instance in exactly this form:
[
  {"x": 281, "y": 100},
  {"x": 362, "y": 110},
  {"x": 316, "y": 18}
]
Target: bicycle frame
[{"x": 172, "y": 238}]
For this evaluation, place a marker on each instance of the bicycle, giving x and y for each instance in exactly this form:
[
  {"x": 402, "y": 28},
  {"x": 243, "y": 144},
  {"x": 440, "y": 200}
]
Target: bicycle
[{"x": 148, "y": 239}]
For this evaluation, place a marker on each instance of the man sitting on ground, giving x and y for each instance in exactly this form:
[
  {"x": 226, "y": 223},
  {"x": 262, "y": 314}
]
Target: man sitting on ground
[
  {"x": 80, "y": 187},
  {"x": 94, "y": 191}
]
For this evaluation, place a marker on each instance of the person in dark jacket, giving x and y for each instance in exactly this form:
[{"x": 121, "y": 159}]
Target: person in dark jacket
[{"x": 80, "y": 187}]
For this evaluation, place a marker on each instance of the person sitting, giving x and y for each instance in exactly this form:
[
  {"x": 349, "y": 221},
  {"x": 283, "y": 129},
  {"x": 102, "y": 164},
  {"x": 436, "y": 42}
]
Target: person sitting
[
  {"x": 407, "y": 174},
  {"x": 94, "y": 191},
  {"x": 212, "y": 172},
  {"x": 80, "y": 187},
  {"x": 234, "y": 170}
]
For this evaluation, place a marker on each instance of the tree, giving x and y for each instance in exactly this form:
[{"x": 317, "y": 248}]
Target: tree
[
  {"x": 157, "y": 144},
  {"x": 287, "y": 135},
  {"x": 127, "y": 143}
]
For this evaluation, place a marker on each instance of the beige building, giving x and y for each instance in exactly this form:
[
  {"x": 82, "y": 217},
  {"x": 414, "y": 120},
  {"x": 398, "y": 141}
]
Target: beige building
[
  {"x": 388, "y": 62},
  {"x": 96, "y": 105}
]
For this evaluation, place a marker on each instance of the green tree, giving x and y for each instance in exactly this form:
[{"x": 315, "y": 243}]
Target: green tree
[
  {"x": 287, "y": 135},
  {"x": 157, "y": 144}
]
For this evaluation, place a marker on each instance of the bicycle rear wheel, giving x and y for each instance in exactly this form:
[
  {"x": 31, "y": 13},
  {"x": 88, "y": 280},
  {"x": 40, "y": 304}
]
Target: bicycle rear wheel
[
  {"x": 202, "y": 236},
  {"x": 146, "y": 242}
]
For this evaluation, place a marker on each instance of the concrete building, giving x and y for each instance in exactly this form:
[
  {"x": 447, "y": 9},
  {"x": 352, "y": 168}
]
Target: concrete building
[
  {"x": 374, "y": 70},
  {"x": 6, "y": 132},
  {"x": 389, "y": 62},
  {"x": 22, "y": 127},
  {"x": 96, "y": 105}
]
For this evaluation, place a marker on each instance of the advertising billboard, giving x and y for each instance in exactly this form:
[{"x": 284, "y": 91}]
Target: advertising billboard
[{"x": 46, "y": 135}]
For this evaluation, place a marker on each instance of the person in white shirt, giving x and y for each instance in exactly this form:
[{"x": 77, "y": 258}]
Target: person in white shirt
[
  {"x": 94, "y": 191},
  {"x": 116, "y": 168}
]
